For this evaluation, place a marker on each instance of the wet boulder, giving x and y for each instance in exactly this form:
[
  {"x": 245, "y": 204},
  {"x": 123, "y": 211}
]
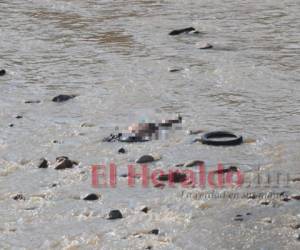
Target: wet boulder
[{"x": 115, "y": 214}]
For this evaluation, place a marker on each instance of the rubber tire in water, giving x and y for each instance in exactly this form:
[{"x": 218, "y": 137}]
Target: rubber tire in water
[{"x": 209, "y": 138}]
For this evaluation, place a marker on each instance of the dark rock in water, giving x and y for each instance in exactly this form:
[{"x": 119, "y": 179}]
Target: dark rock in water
[
  {"x": 132, "y": 138},
  {"x": 194, "y": 163},
  {"x": 154, "y": 231},
  {"x": 147, "y": 159},
  {"x": 145, "y": 209},
  {"x": 238, "y": 217},
  {"x": 180, "y": 31},
  {"x": 295, "y": 197},
  {"x": 112, "y": 137},
  {"x": 43, "y": 163},
  {"x": 174, "y": 69},
  {"x": 115, "y": 214},
  {"x": 32, "y": 101},
  {"x": 226, "y": 170},
  {"x": 121, "y": 151},
  {"x": 174, "y": 177},
  {"x": 64, "y": 162},
  {"x": 2, "y": 72},
  {"x": 63, "y": 98},
  {"x": 19, "y": 117},
  {"x": 11, "y": 125},
  {"x": 149, "y": 247},
  {"x": 87, "y": 125},
  {"x": 18, "y": 197},
  {"x": 91, "y": 197},
  {"x": 296, "y": 179}
]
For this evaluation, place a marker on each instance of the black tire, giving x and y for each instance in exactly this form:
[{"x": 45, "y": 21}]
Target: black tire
[{"x": 207, "y": 138}]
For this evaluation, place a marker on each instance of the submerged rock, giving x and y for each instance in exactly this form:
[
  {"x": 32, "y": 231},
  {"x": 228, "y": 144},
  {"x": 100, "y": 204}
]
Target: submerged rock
[
  {"x": 194, "y": 163},
  {"x": 121, "y": 151},
  {"x": 32, "y": 101},
  {"x": 43, "y": 163},
  {"x": 115, "y": 214},
  {"x": 91, "y": 197},
  {"x": 154, "y": 231},
  {"x": 147, "y": 159},
  {"x": 172, "y": 69},
  {"x": 145, "y": 209},
  {"x": 295, "y": 197},
  {"x": 64, "y": 162},
  {"x": 2, "y": 72},
  {"x": 180, "y": 31},
  {"x": 63, "y": 98}
]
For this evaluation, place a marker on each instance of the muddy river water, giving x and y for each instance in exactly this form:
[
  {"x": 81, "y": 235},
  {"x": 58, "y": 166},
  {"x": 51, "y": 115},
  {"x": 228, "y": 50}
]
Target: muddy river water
[{"x": 116, "y": 55}]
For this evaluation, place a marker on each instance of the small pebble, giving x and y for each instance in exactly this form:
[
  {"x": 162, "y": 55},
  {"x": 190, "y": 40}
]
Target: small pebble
[
  {"x": 63, "y": 98},
  {"x": 195, "y": 163},
  {"x": 11, "y": 125},
  {"x": 147, "y": 159},
  {"x": 121, "y": 151},
  {"x": 2, "y": 72},
  {"x": 145, "y": 210},
  {"x": 295, "y": 197},
  {"x": 32, "y": 101},
  {"x": 180, "y": 31},
  {"x": 91, "y": 197},
  {"x": 64, "y": 162},
  {"x": 154, "y": 231},
  {"x": 115, "y": 214},
  {"x": 18, "y": 197},
  {"x": 19, "y": 117},
  {"x": 174, "y": 69},
  {"x": 43, "y": 163},
  {"x": 175, "y": 176}
]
